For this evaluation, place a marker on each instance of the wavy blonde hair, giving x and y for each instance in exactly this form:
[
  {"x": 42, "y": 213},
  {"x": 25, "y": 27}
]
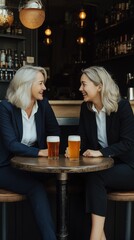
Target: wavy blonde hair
[
  {"x": 110, "y": 93},
  {"x": 19, "y": 90}
]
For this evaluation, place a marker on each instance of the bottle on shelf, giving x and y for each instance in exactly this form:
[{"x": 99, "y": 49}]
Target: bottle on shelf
[
  {"x": 131, "y": 8},
  {"x": 6, "y": 75},
  {"x": 8, "y": 30},
  {"x": 14, "y": 28},
  {"x": 1, "y": 75},
  {"x": 19, "y": 29},
  {"x": 16, "y": 60},
  {"x": 107, "y": 19},
  {"x": 22, "y": 59},
  {"x": 112, "y": 15},
  {"x": 3, "y": 58},
  {"x": 9, "y": 59},
  {"x": 118, "y": 12}
]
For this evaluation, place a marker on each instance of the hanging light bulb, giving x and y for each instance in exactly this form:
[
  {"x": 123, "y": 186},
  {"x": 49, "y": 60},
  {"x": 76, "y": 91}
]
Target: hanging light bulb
[
  {"x": 48, "y": 31},
  {"x": 31, "y": 13},
  {"x": 82, "y": 14},
  {"x": 6, "y": 15},
  {"x": 81, "y": 40}
]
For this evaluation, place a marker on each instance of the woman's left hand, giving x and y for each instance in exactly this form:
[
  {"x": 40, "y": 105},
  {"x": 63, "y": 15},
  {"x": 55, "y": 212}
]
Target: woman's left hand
[
  {"x": 67, "y": 153},
  {"x": 92, "y": 153}
]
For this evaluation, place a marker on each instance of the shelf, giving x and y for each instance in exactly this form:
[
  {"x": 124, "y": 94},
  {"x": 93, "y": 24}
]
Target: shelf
[
  {"x": 5, "y": 81},
  {"x": 115, "y": 57},
  {"x": 115, "y": 25},
  {"x": 8, "y": 69},
  {"x": 12, "y": 36}
]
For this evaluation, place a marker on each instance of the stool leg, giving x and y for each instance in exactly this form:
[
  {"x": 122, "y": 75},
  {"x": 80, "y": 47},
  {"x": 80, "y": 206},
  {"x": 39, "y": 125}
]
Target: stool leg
[
  {"x": 4, "y": 228},
  {"x": 128, "y": 220}
]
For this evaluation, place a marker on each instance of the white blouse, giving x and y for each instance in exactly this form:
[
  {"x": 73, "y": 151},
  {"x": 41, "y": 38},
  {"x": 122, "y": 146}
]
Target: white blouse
[
  {"x": 101, "y": 126},
  {"x": 29, "y": 136}
]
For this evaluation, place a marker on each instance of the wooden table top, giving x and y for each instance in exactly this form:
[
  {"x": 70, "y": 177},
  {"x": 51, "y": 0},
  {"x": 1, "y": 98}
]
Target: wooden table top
[{"x": 62, "y": 165}]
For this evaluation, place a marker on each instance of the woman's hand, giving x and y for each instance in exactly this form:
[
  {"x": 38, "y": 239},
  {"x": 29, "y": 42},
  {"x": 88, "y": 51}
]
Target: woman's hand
[
  {"x": 67, "y": 152},
  {"x": 92, "y": 153},
  {"x": 43, "y": 153}
]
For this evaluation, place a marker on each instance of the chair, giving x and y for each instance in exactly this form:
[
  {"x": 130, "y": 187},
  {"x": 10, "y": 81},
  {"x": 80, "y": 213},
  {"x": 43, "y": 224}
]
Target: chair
[
  {"x": 6, "y": 197},
  {"x": 128, "y": 197}
]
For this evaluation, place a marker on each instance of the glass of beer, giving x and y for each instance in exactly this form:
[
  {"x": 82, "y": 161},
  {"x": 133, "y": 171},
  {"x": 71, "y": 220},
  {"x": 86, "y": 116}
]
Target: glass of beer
[
  {"x": 53, "y": 143},
  {"x": 74, "y": 147}
]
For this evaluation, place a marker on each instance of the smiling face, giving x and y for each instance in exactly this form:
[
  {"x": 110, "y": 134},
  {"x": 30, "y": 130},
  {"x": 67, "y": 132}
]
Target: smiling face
[
  {"x": 89, "y": 90},
  {"x": 38, "y": 87}
]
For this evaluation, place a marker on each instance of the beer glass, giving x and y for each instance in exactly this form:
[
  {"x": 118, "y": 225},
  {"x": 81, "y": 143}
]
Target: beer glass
[
  {"x": 53, "y": 143},
  {"x": 74, "y": 146}
]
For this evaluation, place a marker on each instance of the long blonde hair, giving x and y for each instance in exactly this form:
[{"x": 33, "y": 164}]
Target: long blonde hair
[
  {"x": 19, "y": 90},
  {"x": 110, "y": 93}
]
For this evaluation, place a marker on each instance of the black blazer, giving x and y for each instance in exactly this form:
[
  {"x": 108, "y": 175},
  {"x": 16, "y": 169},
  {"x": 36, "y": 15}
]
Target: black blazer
[
  {"x": 119, "y": 129},
  {"x": 11, "y": 130}
]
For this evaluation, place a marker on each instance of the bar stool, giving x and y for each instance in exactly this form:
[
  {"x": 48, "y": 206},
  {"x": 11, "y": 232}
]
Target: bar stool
[
  {"x": 128, "y": 197},
  {"x": 5, "y": 197}
]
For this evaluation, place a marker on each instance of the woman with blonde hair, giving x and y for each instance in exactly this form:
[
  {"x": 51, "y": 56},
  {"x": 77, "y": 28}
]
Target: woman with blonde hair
[
  {"x": 107, "y": 129},
  {"x": 26, "y": 118}
]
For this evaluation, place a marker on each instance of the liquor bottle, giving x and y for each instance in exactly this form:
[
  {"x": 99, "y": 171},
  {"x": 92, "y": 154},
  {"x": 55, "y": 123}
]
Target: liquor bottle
[
  {"x": 16, "y": 60},
  {"x": 113, "y": 15},
  {"x": 1, "y": 75},
  {"x": 14, "y": 28},
  {"x": 3, "y": 58},
  {"x": 118, "y": 12},
  {"x": 6, "y": 76},
  {"x": 107, "y": 20},
  {"x": 19, "y": 29},
  {"x": 9, "y": 58},
  {"x": 129, "y": 45},
  {"x": 131, "y": 8},
  {"x": 8, "y": 30}
]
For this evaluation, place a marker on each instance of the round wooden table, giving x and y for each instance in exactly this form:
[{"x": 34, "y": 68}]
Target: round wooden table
[{"x": 62, "y": 167}]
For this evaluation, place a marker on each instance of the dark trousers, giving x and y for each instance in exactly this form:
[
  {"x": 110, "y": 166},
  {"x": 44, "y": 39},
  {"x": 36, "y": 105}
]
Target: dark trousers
[
  {"x": 119, "y": 177},
  {"x": 24, "y": 183}
]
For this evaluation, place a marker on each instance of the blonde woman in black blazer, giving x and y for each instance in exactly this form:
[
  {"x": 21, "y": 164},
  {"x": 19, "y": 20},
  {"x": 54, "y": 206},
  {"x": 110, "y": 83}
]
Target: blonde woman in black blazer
[
  {"x": 26, "y": 118},
  {"x": 106, "y": 129}
]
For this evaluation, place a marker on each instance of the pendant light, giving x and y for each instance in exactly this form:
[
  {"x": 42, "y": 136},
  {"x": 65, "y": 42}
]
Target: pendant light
[
  {"x": 31, "y": 13},
  {"x": 6, "y": 15},
  {"x": 47, "y": 31},
  {"x": 81, "y": 40},
  {"x": 82, "y": 14}
]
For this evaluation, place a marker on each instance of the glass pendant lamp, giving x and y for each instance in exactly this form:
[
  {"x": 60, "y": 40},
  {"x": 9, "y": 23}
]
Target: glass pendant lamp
[
  {"x": 82, "y": 14},
  {"x": 31, "y": 13},
  {"x": 6, "y": 15}
]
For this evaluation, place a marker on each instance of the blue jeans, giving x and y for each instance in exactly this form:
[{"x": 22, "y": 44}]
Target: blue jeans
[{"x": 24, "y": 183}]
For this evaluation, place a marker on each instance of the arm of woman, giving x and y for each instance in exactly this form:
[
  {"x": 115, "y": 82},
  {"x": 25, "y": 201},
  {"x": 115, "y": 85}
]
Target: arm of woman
[
  {"x": 10, "y": 134},
  {"x": 121, "y": 132}
]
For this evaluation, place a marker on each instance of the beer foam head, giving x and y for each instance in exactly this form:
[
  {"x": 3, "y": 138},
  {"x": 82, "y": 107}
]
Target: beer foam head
[
  {"x": 53, "y": 138},
  {"x": 74, "y": 138}
]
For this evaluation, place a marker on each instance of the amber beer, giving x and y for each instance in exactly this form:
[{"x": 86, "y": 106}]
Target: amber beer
[
  {"x": 74, "y": 146},
  {"x": 53, "y": 143}
]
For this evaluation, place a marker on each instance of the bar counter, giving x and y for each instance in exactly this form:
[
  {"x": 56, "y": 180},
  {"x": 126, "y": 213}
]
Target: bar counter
[
  {"x": 66, "y": 111},
  {"x": 66, "y": 108},
  {"x": 69, "y": 108},
  {"x": 132, "y": 104}
]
